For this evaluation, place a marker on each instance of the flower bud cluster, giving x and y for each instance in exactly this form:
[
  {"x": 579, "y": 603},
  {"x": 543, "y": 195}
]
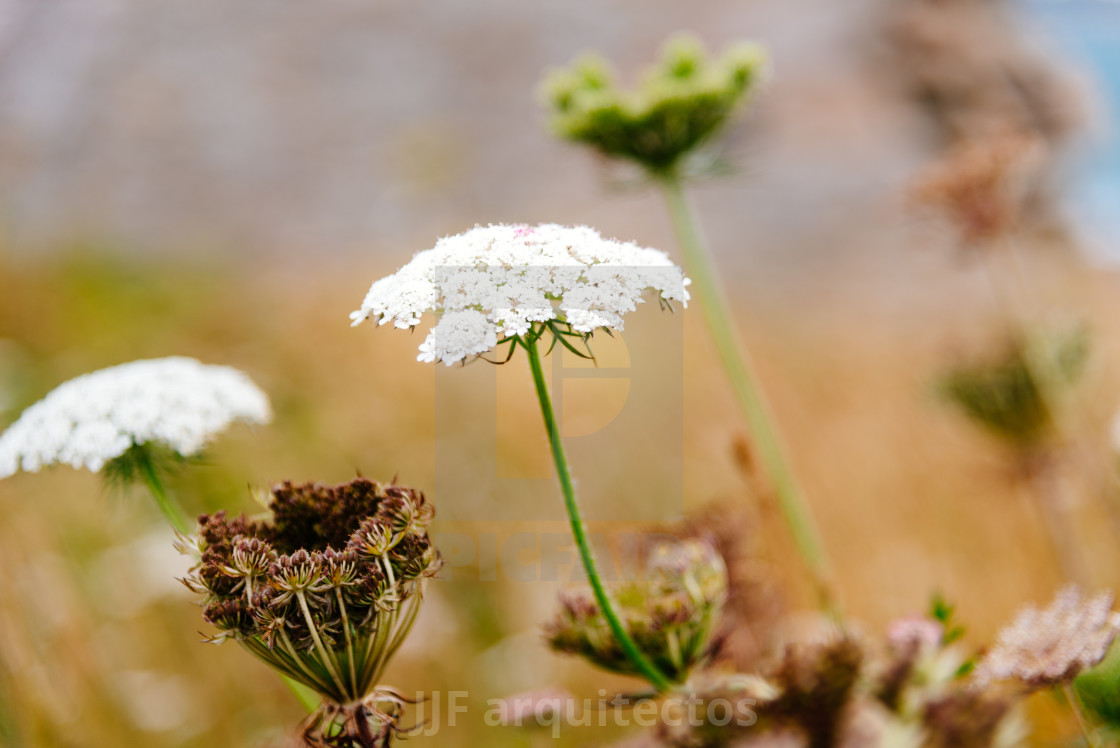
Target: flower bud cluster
[
  {"x": 671, "y": 613},
  {"x": 326, "y": 591},
  {"x": 680, "y": 103}
]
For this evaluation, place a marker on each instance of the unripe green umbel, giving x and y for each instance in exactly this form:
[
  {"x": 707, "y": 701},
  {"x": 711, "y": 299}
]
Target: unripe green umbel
[{"x": 679, "y": 104}]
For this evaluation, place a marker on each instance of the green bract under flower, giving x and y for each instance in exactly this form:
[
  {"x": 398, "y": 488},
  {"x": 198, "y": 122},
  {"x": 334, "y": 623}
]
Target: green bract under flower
[
  {"x": 680, "y": 103},
  {"x": 670, "y": 614},
  {"x": 327, "y": 591}
]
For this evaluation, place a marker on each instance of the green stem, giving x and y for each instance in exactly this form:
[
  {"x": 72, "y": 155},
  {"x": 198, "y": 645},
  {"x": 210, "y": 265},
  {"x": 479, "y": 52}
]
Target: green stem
[
  {"x": 1075, "y": 704},
  {"x": 579, "y": 531},
  {"x": 349, "y": 639},
  {"x": 756, "y": 410},
  {"x": 324, "y": 653},
  {"x": 170, "y": 510},
  {"x": 174, "y": 515},
  {"x": 307, "y": 698}
]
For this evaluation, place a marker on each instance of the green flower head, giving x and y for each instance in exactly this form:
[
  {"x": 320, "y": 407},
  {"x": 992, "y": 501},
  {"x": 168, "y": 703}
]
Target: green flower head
[
  {"x": 671, "y": 613},
  {"x": 679, "y": 105}
]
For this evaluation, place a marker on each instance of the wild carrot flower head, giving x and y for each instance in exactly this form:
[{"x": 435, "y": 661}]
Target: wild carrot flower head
[
  {"x": 671, "y": 613},
  {"x": 1042, "y": 648},
  {"x": 679, "y": 105},
  {"x": 327, "y": 590},
  {"x": 492, "y": 284},
  {"x": 175, "y": 403}
]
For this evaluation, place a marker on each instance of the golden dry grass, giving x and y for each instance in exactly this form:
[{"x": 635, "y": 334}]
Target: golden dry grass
[{"x": 99, "y": 647}]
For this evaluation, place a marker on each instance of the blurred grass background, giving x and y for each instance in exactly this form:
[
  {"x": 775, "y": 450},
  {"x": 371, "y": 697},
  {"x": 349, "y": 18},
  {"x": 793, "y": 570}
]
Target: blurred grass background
[
  {"x": 224, "y": 182},
  {"x": 100, "y": 645}
]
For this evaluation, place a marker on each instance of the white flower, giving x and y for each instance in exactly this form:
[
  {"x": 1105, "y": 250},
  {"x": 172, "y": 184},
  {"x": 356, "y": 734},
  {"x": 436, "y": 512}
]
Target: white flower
[
  {"x": 494, "y": 282},
  {"x": 94, "y": 418},
  {"x": 1044, "y": 647}
]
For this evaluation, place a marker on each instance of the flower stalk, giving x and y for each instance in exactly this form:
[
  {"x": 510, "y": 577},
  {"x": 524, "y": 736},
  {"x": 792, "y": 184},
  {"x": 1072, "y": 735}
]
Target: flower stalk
[
  {"x": 1090, "y": 735},
  {"x": 736, "y": 362},
  {"x": 579, "y": 531},
  {"x": 150, "y": 476}
]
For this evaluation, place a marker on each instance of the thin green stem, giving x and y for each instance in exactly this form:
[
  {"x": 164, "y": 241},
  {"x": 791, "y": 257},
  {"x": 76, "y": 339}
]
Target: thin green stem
[
  {"x": 170, "y": 510},
  {"x": 175, "y": 516},
  {"x": 291, "y": 671},
  {"x": 324, "y": 653},
  {"x": 736, "y": 362},
  {"x": 286, "y": 643},
  {"x": 1089, "y": 733},
  {"x": 579, "y": 531},
  {"x": 307, "y": 698},
  {"x": 349, "y": 639}
]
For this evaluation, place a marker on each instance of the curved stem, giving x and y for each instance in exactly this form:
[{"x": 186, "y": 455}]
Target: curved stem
[
  {"x": 579, "y": 531},
  {"x": 736, "y": 362},
  {"x": 170, "y": 510}
]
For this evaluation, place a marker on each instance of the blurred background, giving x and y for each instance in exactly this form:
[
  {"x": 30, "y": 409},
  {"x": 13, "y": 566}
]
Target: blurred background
[{"x": 224, "y": 180}]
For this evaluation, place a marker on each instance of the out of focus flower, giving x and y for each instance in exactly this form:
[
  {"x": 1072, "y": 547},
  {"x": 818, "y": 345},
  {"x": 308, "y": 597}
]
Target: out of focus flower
[
  {"x": 671, "y": 613},
  {"x": 1014, "y": 395},
  {"x": 325, "y": 593},
  {"x": 754, "y": 602},
  {"x": 679, "y": 105},
  {"x": 1043, "y": 648},
  {"x": 175, "y": 403},
  {"x": 966, "y": 718},
  {"x": 491, "y": 284},
  {"x": 816, "y": 682},
  {"x": 981, "y": 186},
  {"x": 914, "y": 634},
  {"x": 719, "y": 709}
]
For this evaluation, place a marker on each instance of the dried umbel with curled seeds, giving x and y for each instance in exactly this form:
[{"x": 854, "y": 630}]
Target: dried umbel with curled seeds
[
  {"x": 325, "y": 593},
  {"x": 671, "y": 613},
  {"x": 1048, "y": 647}
]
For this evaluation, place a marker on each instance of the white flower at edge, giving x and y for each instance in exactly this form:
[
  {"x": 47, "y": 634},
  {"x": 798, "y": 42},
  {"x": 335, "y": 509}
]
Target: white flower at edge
[
  {"x": 96, "y": 417},
  {"x": 493, "y": 282}
]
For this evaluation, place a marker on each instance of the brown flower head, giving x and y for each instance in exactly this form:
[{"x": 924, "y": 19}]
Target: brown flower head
[
  {"x": 981, "y": 186},
  {"x": 324, "y": 593},
  {"x": 1042, "y": 648}
]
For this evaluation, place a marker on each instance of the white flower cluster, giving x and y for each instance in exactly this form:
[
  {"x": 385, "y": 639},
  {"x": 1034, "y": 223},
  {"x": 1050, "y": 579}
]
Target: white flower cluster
[
  {"x": 1054, "y": 644},
  {"x": 94, "y": 418},
  {"x": 494, "y": 282}
]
